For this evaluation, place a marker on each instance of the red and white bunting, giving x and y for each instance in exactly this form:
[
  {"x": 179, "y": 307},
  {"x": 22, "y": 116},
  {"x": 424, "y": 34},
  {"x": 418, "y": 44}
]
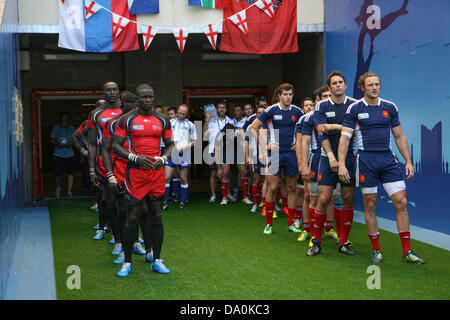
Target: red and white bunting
[
  {"x": 148, "y": 34},
  {"x": 181, "y": 36},
  {"x": 119, "y": 23},
  {"x": 90, "y": 8},
  {"x": 211, "y": 32},
  {"x": 240, "y": 20},
  {"x": 266, "y": 6}
]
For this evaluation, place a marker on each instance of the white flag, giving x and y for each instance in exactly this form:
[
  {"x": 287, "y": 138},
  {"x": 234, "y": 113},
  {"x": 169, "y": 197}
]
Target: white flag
[
  {"x": 90, "y": 8},
  {"x": 148, "y": 34},
  {"x": 71, "y": 25},
  {"x": 119, "y": 23},
  {"x": 181, "y": 36},
  {"x": 211, "y": 32},
  {"x": 266, "y": 6},
  {"x": 240, "y": 20}
]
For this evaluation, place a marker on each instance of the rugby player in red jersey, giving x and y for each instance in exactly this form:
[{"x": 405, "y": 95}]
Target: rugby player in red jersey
[{"x": 144, "y": 174}]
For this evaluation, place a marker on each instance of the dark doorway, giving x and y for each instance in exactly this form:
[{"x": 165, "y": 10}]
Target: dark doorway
[
  {"x": 196, "y": 99},
  {"x": 47, "y": 106}
]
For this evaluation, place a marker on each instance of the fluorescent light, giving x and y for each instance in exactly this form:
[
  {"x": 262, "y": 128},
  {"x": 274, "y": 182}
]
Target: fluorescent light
[
  {"x": 75, "y": 57},
  {"x": 229, "y": 56}
]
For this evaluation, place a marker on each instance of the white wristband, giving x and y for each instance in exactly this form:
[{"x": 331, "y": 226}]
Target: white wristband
[{"x": 346, "y": 133}]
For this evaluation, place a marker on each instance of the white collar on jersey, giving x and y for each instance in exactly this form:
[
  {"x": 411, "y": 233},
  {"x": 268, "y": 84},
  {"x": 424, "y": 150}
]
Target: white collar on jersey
[
  {"x": 281, "y": 108},
  {"x": 332, "y": 102},
  {"x": 365, "y": 102}
]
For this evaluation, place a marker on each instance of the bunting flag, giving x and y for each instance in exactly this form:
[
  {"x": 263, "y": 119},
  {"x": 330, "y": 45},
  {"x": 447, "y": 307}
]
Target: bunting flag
[
  {"x": 148, "y": 34},
  {"x": 119, "y": 24},
  {"x": 181, "y": 36},
  {"x": 103, "y": 33},
  {"x": 266, "y": 6},
  {"x": 110, "y": 30},
  {"x": 90, "y": 8},
  {"x": 143, "y": 6},
  {"x": 240, "y": 20},
  {"x": 265, "y": 34},
  {"x": 211, "y": 32}
]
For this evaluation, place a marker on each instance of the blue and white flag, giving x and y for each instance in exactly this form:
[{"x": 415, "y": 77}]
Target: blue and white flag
[{"x": 97, "y": 26}]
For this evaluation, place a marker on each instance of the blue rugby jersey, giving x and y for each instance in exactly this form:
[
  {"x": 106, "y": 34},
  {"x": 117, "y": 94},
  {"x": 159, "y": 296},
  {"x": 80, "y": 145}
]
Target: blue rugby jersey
[
  {"x": 283, "y": 120},
  {"x": 372, "y": 124},
  {"x": 308, "y": 128},
  {"x": 330, "y": 112}
]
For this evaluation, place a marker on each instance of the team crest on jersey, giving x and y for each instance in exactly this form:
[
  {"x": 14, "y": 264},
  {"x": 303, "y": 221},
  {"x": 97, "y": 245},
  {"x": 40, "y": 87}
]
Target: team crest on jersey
[
  {"x": 157, "y": 127},
  {"x": 293, "y": 118},
  {"x": 138, "y": 127},
  {"x": 385, "y": 113}
]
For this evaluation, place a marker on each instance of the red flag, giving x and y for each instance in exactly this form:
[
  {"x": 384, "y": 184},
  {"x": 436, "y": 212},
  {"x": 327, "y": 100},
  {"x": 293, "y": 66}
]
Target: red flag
[
  {"x": 265, "y": 34},
  {"x": 125, "y": 36}
]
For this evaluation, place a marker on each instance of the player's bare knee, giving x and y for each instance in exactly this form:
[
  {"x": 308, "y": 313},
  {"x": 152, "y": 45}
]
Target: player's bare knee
[{"x": 400, "y": 202}]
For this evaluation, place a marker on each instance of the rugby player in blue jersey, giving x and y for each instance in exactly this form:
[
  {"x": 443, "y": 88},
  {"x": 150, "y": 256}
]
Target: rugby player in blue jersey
[
  {"x": 373, "y": 119},
  {"x": 284, "y": 117}
]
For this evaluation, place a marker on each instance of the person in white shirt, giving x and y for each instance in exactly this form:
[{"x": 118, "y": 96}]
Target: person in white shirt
[
  {"x": 214, "y": 128},
  {"x": 239, "y": 155},
  {"x": 184, "y": 137}
]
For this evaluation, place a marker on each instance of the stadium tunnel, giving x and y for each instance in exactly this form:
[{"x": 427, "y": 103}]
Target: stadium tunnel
[
  {"x": 38, "y": 80},
  {"x": 56, "y": 79}
]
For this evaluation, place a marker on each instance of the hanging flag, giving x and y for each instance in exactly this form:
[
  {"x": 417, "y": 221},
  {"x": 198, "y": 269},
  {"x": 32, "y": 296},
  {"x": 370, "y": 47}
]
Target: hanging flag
[
  {"x": 195, "y": 2},
  {"x": 97, "y": 34},
  {"x": 148, "y": 34},
  {"x": 143, "y": 6},
  {"x": 181, "y": 36},
  {"x": 211, "y": 32},
  {"x": 90, "y": 8},
  {"x": 265, "y": 34},
  {"x": 208, "y": 3},
  {"x": 240, "y": 20},
  {"x": 211, "y": 3},
  {"x": 266, "y": 6}
]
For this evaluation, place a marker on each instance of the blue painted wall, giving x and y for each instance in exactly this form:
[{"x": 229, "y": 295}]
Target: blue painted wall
[
  {"x": 411, "y": 54},
  {"x": 11, "y": 166}
]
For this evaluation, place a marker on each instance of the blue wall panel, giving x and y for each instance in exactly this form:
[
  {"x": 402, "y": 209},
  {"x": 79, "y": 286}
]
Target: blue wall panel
[
  {"x": 11, "y": 147},
  {"x": 410, "y": 51}
]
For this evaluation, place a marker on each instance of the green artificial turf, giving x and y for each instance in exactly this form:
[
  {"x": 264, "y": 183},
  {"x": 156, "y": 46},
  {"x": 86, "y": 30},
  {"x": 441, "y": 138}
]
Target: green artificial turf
[{"x": 220, "y": 252}]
